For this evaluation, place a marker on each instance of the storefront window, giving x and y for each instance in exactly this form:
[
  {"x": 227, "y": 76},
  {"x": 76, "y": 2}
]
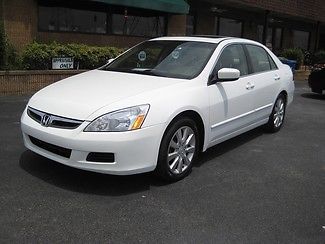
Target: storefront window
[
  {"x": 71, "y": 20},
  {"x": 277, "y": 38},
  {"x": 321, "y": 43},
  {"x": 301, "y": 39},
  {"x": 230, "y": 27},
  {"x": 64, "y": 19},
  {"x": 260, "y": 29},
  {"x": 138, "y": 25},
  {"x": 190, "y": 23},
  {"x": 269, "y": 36},
  {"x": 273, "y": 37}
]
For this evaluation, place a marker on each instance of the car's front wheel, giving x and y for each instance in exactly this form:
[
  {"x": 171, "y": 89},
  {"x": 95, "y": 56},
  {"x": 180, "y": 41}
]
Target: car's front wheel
[
  {"x": 276, "y": 118},
  {"x": 178, "y": 150}
]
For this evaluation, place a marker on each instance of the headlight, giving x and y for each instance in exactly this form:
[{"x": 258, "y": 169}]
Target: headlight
[{"x": 121, "y": 120}]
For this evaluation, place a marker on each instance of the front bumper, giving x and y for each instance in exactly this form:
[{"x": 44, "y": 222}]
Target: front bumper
[{"x": 135, "y": 151}]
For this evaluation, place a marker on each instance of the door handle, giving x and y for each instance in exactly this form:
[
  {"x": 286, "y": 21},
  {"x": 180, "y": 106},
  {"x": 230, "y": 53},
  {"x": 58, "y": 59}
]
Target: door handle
[
  {"x": 276, "y": 77},
  {"x": 250, "y": 86}
]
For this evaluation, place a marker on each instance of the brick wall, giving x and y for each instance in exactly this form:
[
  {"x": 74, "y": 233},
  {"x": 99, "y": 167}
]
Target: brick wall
[
  {"x": 26, "y": 82},
  {"x": 176, "y": 25},
  {"x": 310, "y": 9},
  {"x": 1, "y": 10},
  {"x": 21, "y": 25},
  {"x": 20, "y": 20}
]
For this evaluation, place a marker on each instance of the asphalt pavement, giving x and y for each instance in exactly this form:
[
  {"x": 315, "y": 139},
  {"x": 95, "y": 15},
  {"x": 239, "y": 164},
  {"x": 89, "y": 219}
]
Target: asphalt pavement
[{"x": 255, "y": 188}]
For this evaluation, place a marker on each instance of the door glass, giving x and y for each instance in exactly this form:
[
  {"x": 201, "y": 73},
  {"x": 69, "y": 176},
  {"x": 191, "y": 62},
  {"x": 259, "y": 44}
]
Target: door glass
[
  {"x": 233, "y": 57},
  {"x": 259, "y": 58}
]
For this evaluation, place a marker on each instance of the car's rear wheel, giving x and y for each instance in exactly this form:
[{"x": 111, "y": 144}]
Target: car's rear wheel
[
  {"x": 277, "y": 116},
  {"x": 178, "y": 150}
]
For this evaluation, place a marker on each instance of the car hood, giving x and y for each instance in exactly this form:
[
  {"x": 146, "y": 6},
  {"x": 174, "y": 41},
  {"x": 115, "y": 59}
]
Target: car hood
[{"x": 79, "y": 96}]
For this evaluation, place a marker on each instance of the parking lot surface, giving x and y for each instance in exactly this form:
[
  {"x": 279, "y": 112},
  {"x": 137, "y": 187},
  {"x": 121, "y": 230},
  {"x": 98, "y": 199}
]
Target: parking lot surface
[{"x": 255, "y": 188}]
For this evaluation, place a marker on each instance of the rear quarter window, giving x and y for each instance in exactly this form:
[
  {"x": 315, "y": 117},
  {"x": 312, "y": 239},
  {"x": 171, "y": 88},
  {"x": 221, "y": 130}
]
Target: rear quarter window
[{"x": 272, "y": 63}]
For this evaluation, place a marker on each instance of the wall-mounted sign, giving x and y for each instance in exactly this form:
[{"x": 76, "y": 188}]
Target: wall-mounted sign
[{"x": 62, "y": 63}]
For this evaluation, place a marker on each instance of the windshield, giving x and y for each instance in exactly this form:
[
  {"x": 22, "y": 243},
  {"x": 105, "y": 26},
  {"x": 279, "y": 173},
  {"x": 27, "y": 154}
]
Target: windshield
[{"x": 175, "y": 59}]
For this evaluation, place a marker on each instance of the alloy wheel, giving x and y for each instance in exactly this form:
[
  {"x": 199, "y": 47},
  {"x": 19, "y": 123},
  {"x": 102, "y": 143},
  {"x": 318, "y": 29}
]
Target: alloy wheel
[
  {"x": 278, "y": 113},
  {"x": 181, "y": 150}
]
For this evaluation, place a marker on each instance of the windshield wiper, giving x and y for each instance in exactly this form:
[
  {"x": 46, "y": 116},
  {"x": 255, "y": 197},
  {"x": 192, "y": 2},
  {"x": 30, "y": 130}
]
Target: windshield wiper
[
  {"x": 146, "y": 72},
  {"x": 136, "y": 71}
]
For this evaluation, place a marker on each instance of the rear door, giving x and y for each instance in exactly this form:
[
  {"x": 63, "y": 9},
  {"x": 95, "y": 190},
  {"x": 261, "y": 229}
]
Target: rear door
[{"x": 265, "y": 79}]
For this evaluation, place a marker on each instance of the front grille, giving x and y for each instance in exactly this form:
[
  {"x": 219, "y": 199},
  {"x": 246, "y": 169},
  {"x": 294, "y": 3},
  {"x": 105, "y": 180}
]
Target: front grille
[
  {"x": 101, "y": 157},
  {"x": 64, "y": 152},
  {"x": 54, "y": 121},
  {"x": 34, "y": 116}
]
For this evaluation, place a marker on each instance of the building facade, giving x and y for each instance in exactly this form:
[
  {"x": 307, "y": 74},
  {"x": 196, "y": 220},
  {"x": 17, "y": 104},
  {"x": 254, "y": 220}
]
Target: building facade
[{"x": 122, "y": 23}]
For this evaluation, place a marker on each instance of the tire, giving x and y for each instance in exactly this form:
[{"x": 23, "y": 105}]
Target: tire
[
  {"x": 277, "y": 116},
  {"x": 178, "y": 150}
]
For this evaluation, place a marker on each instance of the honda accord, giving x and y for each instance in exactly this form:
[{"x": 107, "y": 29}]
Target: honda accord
[{"x": 159, "y": 104}]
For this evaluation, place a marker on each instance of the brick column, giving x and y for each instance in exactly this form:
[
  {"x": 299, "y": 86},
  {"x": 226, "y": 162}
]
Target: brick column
[
  {"x": 313, "y": 38},
  {"x": 176, "y": 25},
  {"x": 20, "y": 21}
]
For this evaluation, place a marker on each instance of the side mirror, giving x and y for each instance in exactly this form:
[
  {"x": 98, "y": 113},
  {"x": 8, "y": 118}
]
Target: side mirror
[
  {"x": 225, "y": 74},
  {"x": 110, "y": 60}
]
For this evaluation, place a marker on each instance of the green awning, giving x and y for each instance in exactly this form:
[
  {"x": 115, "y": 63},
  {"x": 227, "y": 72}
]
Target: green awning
[{"x": 169, "y": 6}]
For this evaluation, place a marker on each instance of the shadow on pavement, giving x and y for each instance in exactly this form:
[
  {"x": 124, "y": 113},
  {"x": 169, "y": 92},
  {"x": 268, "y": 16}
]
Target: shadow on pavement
[
  {"x": 313, "y": 96},
  {"x": 84, "y": 181},
  {"x": 101, "y": 184},
  {"x": 229, "y": 145}
]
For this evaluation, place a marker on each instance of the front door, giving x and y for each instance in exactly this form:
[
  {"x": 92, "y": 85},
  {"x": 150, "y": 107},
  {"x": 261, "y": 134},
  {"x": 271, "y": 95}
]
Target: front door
[{"x": 231, "y": 103}]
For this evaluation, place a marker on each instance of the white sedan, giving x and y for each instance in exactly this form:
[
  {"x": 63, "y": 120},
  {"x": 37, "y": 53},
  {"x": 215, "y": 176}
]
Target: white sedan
[{"x": 159, "y": 104}]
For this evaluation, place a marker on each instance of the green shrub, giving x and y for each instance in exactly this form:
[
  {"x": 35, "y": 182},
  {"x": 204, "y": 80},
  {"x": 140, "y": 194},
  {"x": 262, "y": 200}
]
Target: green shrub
[
  {"x": 39, "y": 56},
  {"x": 13, "y": 61},
  {"x": 9, "y": 59},
  {"x": 294, "y": 54},
  {"x": 319, "y": 56}
]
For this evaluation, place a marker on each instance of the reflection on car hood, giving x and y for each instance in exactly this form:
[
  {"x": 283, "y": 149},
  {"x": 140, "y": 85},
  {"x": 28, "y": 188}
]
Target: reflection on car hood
[{"x": 81, "y": 95}]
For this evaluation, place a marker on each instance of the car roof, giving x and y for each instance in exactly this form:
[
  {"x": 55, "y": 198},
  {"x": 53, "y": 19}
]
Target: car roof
[
  {"x": 203, "y": 38},
  {"x": 206, "y": 38},
  {"x": 190, "y": 38}
]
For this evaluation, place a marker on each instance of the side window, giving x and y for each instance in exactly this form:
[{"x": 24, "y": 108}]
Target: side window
[
  {"x": 259, "y": 58},
  {"x": 233, "y": 57},
  {"x": 272, "y": 63}
]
